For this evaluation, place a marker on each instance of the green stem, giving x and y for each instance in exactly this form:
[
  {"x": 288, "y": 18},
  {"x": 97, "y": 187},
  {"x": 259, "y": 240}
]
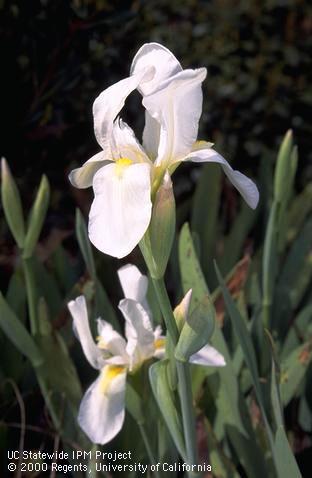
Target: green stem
[
  {"x": 32, "y": 295},
  {"x": 184, "y": 379},
  {"x": 149, "y": 449}
]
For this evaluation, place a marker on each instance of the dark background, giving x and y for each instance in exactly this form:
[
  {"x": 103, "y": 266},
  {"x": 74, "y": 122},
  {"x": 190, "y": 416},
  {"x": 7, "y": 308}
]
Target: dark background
[{"x": 57, "y": 56}]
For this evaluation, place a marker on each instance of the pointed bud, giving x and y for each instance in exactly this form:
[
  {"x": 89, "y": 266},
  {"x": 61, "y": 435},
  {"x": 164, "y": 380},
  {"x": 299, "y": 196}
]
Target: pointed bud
[
  {"x": 157, "y": 243},
  {"x": 181, "y": 311},
  {"x": 37, "y": 216},
  {"x": 196, "y": 331},
  {"x": 12, "y": 204}
]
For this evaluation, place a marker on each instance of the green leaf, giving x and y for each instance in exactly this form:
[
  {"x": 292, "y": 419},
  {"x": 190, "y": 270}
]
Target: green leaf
[
  {"x": 232, "y": 414},
  {"x": 221, "y": 465},
  {"x": 84, "y": 243},
  {"x": 243, "y": 336},
  {"x": 134, "y": 404},
  {"x": 12, "y": 204},
  {"x": 197, "y": 330},
  {"x": 103, "y": 306},
  {"x": 204, "y": 220},
  {"x": 287, "y": 465},
  {"x": 275, "y": 398},
  {"x": 37, "y": 216},
  {"x": 293, "y": 369},
  {"x": 158, "y": 374},
  {"x": 294, "y": 279},
  {"x": 17, "y": 333},
  {"x": 300, "y": 208},
  {"x": 269, "y": 264},
  {"x": 234, "y": 241}
]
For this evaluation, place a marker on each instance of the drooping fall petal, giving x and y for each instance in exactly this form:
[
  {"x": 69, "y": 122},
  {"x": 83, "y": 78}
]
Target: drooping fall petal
[
  {"x": 243, "y": 184},
  {"x": 121, "y": 210},
  {"x": 102, "y": 410},
  {"x": 82, "y": 177},
  {"x": 209, "y": 357}
]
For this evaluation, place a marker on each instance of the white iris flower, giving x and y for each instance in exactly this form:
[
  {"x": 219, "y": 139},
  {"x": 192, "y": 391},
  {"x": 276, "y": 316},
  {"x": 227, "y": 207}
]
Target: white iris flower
[
  {"x": 102, "y": 410},
  {"x": 124, "y": 174}
]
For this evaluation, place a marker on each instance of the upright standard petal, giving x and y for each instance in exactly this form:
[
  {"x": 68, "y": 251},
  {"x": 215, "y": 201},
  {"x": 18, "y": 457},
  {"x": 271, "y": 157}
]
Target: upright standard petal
[
  {"x": 133, "y": 283},
  {"x": 109, "y": 103},
  {"x": 102, "y": 410},
  {"x": 177, "y": 107},
  {"x": 139, "y": 332},
  {"x": 163, "y": 61},
  {"x": 209, "y": 357},
  {"x": 78, "y": 310},
  {"x": 121, "y": 210},
  {"x": 151, "y": 136},
  {"x": 82, "y": 177},
  {"x": 244, "y": 185}
]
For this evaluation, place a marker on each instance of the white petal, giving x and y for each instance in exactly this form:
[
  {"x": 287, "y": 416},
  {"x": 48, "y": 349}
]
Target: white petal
[
  {"x": 133, "y": 283},
  {"x": 159, "y": 343},
  {"x": 83, "y": 177},
  {"x": 111, "y": 340},
  {"x": 244, "y": 185},
  {"x": 127, "y": 146},
  {"x": 182, "y": 309},
  {"x": 109, "y": 103},
  {"x": 78, "y": 310},
  {"x": 121, "y": 210},
  {"x": 208, "y": 356},
  {"x": 164, "y": 62},
  {"x": 151, "y": 136},
  {"x": 177, "y": 107},
  {"x": 139, "y": 331},
  {"x": 102, "y": 410}
]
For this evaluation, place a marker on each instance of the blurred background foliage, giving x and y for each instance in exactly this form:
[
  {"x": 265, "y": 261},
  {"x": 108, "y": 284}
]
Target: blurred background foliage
[{"x": 57, "y": 56}]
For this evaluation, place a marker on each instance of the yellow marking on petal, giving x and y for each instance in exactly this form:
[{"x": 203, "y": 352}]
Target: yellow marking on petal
[
  {"x": 121, "y": 165},
  {"x": 101, "y": 343},
  {"x": 201, "y": 144},
  {"x": 159, "y": 343},
  {"x": 109, "y": 372}
]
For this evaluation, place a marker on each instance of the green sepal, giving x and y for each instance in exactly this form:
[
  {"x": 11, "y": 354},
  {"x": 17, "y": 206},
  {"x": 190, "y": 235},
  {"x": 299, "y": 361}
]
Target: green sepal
[
  {"x": 17, "y": 333},
  {"x": 197, "y": 330}
]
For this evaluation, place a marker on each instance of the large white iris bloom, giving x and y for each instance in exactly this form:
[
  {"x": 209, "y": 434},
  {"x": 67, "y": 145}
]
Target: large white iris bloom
[
  {"x": 124, "y": 174},
  {"x": 102, "y": 410}
]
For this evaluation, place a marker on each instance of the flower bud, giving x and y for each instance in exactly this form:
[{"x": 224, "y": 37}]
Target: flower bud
[
  {"x": 12, "y": 204},
  {"x": 157, "y": 242},
  {"x": 197, "y": 330},
  {"x": 37, "y": 216}
]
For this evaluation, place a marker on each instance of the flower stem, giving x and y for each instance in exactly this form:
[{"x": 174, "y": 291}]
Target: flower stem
[
  {"x": 149, "y": 449},
  {"x": 32, "y": 294},
  {"x": 184, "y": 378}
]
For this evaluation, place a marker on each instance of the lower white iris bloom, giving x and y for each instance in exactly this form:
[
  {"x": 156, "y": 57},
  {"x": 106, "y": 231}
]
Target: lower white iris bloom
[
  {"x": 102, "y": 410},
  {"x": 124, "y": 174}
]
